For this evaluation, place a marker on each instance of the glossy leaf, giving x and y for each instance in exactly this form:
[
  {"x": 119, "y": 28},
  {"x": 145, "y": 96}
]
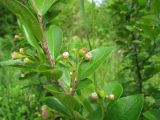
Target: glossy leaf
[
  {"x": 54, "y": 40},
  {"x": 43, "y": 5},
  {"x": 11, "y": 62},
  {"x": 114, "y": 88},
  {"x": 52, "y": 74},
  {"x": 98, "y": 57},
  {"x": 83, "y": 83},
  {"x": 66, "y": 77},
  {"x": 55, "y": 104},
  {"x": 22, "y": 12},
  {"x": 96, "y": 115},
  {"x": 70, "y": 102},
  {"x": 29, "y": 35},
  {"x": 127, "y": 108}
]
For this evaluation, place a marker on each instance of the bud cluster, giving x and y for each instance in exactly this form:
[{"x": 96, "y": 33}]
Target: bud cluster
[{"x": 101, "y": 94}]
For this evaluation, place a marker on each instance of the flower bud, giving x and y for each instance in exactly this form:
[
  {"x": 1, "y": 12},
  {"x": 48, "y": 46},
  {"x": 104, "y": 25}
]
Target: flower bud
[
  {"x": 74, "y": 50},
  {"x": 75, "y": 82},
  {"x": 82, "y": 51},
  {"x": 101, "y": 93},
  {"x": 26, "y": 60},
  {"x": 16, "y": 36},
  {"x": 45, "y": 113},
  {"x": 71, "y": 91},
  {"x": 22, "y": 50},
  {"x": 70, "y": 73},
  {"x": 16, "y": 55},
  {"x": 88, "y": 56},
  {"x": 110, "y": 97},
  {"x": 94, "y": 96},
  {"x": 65, "y": 55},
  {"x": 22, "y": 75}
]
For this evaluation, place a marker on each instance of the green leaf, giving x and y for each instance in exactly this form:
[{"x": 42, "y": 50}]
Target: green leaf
[
  {"x": 54, "y": 40},
  {"x": 53, "y": 74},
  {"x": 11, "y": 62},
  {"x": 66, "y": 77},
  {"x": 97, "y": 114},
  {"x": 127, "y": 108},
  {"x": 71, "y": 102},
  {"x": 74, "y": 44},
  {"x": 22, "y": 12},
  {"x": 83, "y": 84},
  {"x": 152, "y": 115},
  {"x": 78, "y": 116},
  {"x": 114, "y": 88},
  {"x": 29, "y": 35},
  {"x": 43, "y": 5},
  {"x": 55, "y": 104},
  {"x": 98, "y": 57}
]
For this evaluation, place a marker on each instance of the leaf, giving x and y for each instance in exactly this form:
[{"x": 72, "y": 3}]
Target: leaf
[
  {"x": 11, "y": 62},
  {"x": 66, "y": 77},
  {"x": 78, "y": 116},
  {"x": 43, "y": 5},
  {"x": 22, "y": 12},
  {"x": 74, "y": 44},
  {"x": 70, "y": 102},
  {"x": 54, "y": 40},
  {"x": 53, "y": 74},
  {"x": 29, "y": 35},
  {"x": 96, "y": 115},
  {"x": 114, "y": 88},
  {"x": 127, "y": 108},
  {"x": 55, "y": 104},
  {"x": 152, "y": 115},
  {"x": 88, "y": 67},
  {"x": 83, "y": 84}
]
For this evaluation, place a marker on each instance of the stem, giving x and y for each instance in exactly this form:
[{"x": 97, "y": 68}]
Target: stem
[
  {"x": 44, "y": 43},
  {"x": 138, "y": 68}
]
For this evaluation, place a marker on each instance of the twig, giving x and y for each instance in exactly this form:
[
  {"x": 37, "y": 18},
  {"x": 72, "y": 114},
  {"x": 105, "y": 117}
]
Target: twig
[{"x": 44, "y": 43}]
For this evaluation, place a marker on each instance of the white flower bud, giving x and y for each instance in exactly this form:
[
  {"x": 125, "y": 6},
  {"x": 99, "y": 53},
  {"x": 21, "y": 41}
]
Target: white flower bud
[
  {"x": 14, "y": 55},
  {"x": 94, "y": 96},
  {"x": 21, "y": 50},
  {"x": 26, "y": 60},
  {"x": 110, "y": 97},
  {"x": 65, "y": 55},
  {"x": 22, "y": 75}
]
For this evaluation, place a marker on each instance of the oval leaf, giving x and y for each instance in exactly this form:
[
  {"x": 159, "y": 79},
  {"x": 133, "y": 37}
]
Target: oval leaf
[
  {"x": 114, "y": 88},
  {"x": 21, "y": 11},
  {"x": 127, "y": 108},
  {"x": 55, "y": 104},
  {"x": 98, "y": 57},
  {"x": 29, "y": 35},
  {"x": 54, "y": 40},
  {"x": 43, "y": 5}
]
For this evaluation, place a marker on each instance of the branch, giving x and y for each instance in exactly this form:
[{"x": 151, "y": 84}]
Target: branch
[{"x": 44, "y": 43}]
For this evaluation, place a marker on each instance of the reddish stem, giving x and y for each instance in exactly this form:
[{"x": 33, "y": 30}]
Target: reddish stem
[{"x": 44, "y": 43}]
